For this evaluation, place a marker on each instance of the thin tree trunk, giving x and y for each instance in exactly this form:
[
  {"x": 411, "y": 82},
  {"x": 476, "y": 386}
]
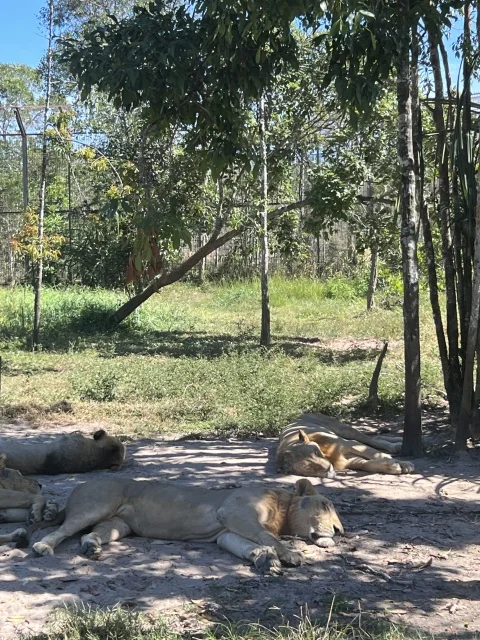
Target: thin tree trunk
[
  {"x": 265, "y": 331},
  {"x": 464, "y": 421},
  {"x": 372, "y": 281},
  {"x": 475, "y": 424},
  {"x": 166, "y": 278},
  {"x": 453, "y": 383},
  {"x": 412, "y": 436},
  {"x": 43, "y": 184},
  {"x": 201, "y": 264},
  {"x": 459, "y": 267},
  {"x": 372, "y": 400}
]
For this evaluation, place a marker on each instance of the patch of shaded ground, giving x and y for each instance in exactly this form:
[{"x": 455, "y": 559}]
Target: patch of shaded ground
[{"x": 410, "y": 555}]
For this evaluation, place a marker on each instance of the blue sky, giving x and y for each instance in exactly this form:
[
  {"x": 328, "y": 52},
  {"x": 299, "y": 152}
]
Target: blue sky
[{"x": 21, "y": 37}]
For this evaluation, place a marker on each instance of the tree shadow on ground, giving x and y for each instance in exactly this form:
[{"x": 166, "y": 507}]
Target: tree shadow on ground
[
  {"x": 201, "y": 344},
  {"x": 419, "y": 535}
]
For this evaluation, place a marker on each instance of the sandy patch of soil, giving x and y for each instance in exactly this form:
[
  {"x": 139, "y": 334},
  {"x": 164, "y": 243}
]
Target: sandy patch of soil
[{"x": 411, "y": 554}]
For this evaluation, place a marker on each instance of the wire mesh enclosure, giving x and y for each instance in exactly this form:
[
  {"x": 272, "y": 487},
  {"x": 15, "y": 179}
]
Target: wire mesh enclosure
[{"x": 71, "y": 201}]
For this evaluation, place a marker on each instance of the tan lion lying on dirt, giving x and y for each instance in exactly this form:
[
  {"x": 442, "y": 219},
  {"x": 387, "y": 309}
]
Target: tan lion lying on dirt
[
  {"x": 70, "y": 453},
  {"x": 246, "y": 522},
  {"x": 316, "y": 445},
  {"x": 20, "y": 501}
]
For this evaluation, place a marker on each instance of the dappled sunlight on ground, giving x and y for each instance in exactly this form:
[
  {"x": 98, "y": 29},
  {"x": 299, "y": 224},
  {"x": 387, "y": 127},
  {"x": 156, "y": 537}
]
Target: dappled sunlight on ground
[{"x": 410, "y": 554}]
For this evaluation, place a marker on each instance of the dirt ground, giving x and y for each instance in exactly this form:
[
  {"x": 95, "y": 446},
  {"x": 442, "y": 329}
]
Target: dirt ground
[{"x": 411, "y": 553}]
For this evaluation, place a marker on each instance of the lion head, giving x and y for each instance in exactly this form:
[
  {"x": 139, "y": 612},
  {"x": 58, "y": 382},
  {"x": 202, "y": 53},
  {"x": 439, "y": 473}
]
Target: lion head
[
  {"x": 305, "y": 458},
  {"x": 114, "y": 451},
  {"x": 14, "y": 481},
  {"x": 311, "y": 516}
]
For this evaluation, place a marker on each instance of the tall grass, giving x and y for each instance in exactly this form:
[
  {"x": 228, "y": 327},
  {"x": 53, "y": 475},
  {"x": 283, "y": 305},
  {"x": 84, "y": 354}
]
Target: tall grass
[
  {"x": 87, "y": 623},
  {"x": 189, "y": 358}
]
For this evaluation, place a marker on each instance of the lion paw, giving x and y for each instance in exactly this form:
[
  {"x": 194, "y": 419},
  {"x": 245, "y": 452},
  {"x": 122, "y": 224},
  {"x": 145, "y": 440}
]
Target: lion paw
[
  {"x": 381, "y": 455},
  {"x": 35, "y": 514},
  {"x": 91, "y": 549},
  {"x": 19, "y": 536},
  {"x": 395, "y": 447},
  {"x": 407, "y": 467},
  {"x": 325, "y": 542},
  {"x": 292, "y": 558},
  {"x": 50, "y": 511},
  {"x": 265, "y": 559},
  {"x": 42, "y": 549}
]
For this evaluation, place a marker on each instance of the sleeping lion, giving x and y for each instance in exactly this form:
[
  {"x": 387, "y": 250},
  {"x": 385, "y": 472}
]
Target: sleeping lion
[
  {"x": 20, "y": 501},
  {"x": 70, "y": 453},
  {"x": 246, "y": 522},
  {"x": 316, "y": 445}
]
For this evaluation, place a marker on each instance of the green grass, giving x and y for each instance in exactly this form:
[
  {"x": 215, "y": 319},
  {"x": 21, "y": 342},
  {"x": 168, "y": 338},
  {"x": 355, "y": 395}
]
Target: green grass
[
  {"x": 85, "y": 623},
  {"x": 189, "y": 359}
]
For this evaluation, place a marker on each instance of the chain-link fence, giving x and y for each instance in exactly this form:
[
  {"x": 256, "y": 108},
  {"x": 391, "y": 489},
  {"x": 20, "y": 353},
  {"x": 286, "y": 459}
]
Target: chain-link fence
[{"x": 70, "y": 197}]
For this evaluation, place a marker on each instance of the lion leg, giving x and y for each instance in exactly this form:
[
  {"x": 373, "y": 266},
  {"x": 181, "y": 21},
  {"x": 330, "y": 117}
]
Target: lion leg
[
  {"x": 348, "y": 433},
  {"x": 14, "y": 515},
  {"x": 15, "y": 536},
  {"x": 73, "y": 524},
  {"x": 263, "y": 558},
  {"x": 103, "y": 533},
  {"x": 364, "y": 451},
  {"x": 389, "y": 467},
  {"x": 350, "y": 447},
  {"x": 244, "y": 522},
  {"x": 20, "y": 500}
]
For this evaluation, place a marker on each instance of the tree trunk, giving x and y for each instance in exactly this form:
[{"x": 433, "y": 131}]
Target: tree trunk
[
  {"x": 166, "y": 278},
  {"x": 412, "y": 436},
  {"x": 372, "y": 281},
  {"x": 43, "y": 184},
  {"x": 202, "y": 263},
  {"x": 265, "y": 331},
  {"x": 453, "y": 379},
  {"x": 464, "y": 421},
  {"x": 372, "y": 399}
]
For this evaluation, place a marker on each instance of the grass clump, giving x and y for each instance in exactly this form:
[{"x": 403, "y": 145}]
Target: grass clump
[{"x": 88, "y": 623}]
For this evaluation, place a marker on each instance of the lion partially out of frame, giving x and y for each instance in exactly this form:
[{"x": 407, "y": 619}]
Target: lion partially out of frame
[
  {"x": 69, "y": 453},
  {"x": 247, "y": 522},
  {"x": 317, "y": 445},
  {"x": 20, "y": 501}
]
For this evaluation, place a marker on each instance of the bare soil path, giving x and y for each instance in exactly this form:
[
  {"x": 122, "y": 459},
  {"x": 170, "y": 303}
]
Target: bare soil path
[{"x": 411, "y": 554}]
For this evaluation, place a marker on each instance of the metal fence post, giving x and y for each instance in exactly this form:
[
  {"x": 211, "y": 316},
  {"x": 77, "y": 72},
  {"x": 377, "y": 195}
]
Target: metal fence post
[{"x": 23, "y": 133}]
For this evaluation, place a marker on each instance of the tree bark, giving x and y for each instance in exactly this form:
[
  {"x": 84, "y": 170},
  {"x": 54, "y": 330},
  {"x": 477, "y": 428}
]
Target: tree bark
[
  {"x": 372, "y": 400},
  {"x": 464, "y": 420},
  {"x": 453, "y": 379},
  {"x": 265, "y": 330},
  {"x": 412, "y": 436},
  {"x": 43, "y": 184},
  {"x": 372, "y": 281}
]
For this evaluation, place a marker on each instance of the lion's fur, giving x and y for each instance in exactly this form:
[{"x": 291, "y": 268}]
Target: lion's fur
[
  {"x": 316, "y": 445},
  {"x": 20, "y": 500},
  {"x": 70, "y": 453},
  {"x": 246, "y": 522}
]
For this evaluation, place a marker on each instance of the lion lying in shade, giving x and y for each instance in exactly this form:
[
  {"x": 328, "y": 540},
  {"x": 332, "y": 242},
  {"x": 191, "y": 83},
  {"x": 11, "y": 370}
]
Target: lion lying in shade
[
  {"x": 317, "y": 445},
  {"x": 69, "y": 453},
  {"x": 20, "y": 501},
  {"x": 245, "y": 522}
]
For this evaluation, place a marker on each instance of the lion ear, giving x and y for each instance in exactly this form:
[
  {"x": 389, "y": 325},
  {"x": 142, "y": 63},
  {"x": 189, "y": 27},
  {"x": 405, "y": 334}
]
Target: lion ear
[
  {"x": 304, "y": 487},
  {"x": 99, "y": 434},
  {"x": 302, "y": 436},
  {"x": 3, "y": 460}
]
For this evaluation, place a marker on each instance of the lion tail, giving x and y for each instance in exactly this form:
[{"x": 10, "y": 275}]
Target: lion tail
[{"x": 24, "y": 540}]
